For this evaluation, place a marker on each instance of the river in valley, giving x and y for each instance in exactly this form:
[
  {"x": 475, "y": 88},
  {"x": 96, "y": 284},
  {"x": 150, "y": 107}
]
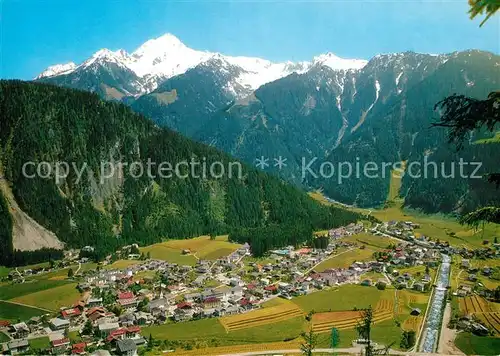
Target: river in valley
[{"x": 435, "y": 311}]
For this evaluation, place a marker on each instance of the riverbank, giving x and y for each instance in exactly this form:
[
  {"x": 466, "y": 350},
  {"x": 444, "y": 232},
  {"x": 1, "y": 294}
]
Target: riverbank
[{"x": 447, "y": 340}]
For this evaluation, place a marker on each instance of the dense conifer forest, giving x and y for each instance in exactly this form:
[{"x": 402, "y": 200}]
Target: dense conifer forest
[{"x": 45, "y": 123}]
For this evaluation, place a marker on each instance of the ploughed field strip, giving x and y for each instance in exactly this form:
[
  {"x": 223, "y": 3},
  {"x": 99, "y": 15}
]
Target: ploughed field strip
[
  {"x": 482, "y": 310},
  {"x": 475, "y": 304},
  {"x": 413, "y": 323},
  {"x": 492, "y": 320},
  {"x": 223, "y": 350},
  {"x": 324, "y": 322},
  {"x": 261, "y": 317}
]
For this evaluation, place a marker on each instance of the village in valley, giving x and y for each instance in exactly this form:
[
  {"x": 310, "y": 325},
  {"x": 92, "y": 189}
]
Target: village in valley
[{"x": 136, "y": 302}]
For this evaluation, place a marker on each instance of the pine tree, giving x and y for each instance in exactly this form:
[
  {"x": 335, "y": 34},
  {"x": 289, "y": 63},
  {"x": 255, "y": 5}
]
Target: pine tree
[{"x": 309, "y": 344}]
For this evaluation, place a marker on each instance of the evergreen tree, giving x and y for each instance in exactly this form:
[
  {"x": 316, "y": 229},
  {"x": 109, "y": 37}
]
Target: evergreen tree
[{"x": 309, "y": 344}]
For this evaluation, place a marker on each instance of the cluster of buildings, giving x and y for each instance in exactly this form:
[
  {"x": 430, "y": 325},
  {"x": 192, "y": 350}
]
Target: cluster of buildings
[{"x": 118, "y": 303}]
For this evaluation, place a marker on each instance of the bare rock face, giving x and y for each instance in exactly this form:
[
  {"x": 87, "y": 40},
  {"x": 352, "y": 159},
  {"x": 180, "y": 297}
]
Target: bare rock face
[{"x": 27, "y": 234}]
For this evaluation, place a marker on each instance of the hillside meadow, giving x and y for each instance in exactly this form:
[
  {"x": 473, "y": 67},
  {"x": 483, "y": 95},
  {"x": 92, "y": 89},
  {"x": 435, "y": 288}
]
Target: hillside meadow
[{"x": 199, "y": 248}]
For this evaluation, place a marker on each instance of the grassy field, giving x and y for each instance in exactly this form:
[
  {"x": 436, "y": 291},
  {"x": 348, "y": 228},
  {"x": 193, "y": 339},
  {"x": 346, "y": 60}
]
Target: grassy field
[
  {"x": 3, "y": 338},
  {"x": 345, "y": 259},
  {"x": 477, "y": 345},
  {"x": 14, "y": 312},
  {"x": 9, "y": 291},
  {"x": 40, "y": 343},
  {"x": 342, "y": 320},
  {"x": 4, "y": 271},
  {"x": 202, "y": 247},
  {"x": 122, "y": 264},
  {"x": 52, "y": 299},
  {"x": 211, "y": 331},
  {"x": 260, "y": 317},
  {"x": 74, "y": 336},
  {"x": 383, "y": 333},
  {"x": 371, "y": 241},
  {"x": 162, "y": 252},
  {"x": 345, "y": 297}
]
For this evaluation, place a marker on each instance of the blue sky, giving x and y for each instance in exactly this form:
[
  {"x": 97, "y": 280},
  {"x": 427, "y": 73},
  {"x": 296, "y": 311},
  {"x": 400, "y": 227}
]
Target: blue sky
[{"x": 38, "y": 33}]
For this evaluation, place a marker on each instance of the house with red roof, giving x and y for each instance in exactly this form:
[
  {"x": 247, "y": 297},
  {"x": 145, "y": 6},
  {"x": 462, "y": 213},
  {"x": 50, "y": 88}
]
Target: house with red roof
[
  {"x": 80, "y": 305},
  {"x": 118, "y": 334},
  {"x": 184, "y": 305},
  {"x": 126, "y": 295},
  {"x": 133, "y": 331},
  {"x": 60, "y": 345},
  {"x": 78, "y": 349},
  {"x": 271, "y": 288},
  {"x": 128, "y": 303},
  {"x": 70, "y": 313},
  {"x": 211, "y": 302}
]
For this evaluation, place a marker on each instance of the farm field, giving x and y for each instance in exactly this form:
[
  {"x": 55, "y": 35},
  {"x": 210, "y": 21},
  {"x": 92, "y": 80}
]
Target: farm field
[
  {"x": 345, "y": 259},
  {"x": 476, "y": 304},
  {"x": 264, "y": 316},
  {"x": 121, "y": 264},
  {"x": 383, "y": 333},
  {"x": 272, "y": 325},
  {"x": 410, "y": 300},
  {"x": 413, "y": 323},
  {"x": 163, "y": 252},
  {"x": 324, "y": 322},
  {"x": 487, "y": 312},
  {"x": 3, "y": 338},
  {"x": 10, "y": 291},
  {"x": 222, "y": 350},
  {"x": 201, "y": 247},
  {"x": 471, "y": 344},
  {"x": 346, "y": 297},
  {"x": 52, "y": 299},
  {"x": 491, "y": 320},
  {"x": 371, "y": 241},
  {"x": 14, "y": 312},
  {"x": 208, "y": 331}
]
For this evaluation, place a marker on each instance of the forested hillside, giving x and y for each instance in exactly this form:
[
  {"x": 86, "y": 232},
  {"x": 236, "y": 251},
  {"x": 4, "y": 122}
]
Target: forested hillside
[{"x": 41, "y": 122}]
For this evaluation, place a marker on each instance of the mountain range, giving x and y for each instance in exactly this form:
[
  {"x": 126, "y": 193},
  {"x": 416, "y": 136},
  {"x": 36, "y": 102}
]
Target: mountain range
[
  {"x": 330, "y": 109},
  {"x": 118, "y": 74}
]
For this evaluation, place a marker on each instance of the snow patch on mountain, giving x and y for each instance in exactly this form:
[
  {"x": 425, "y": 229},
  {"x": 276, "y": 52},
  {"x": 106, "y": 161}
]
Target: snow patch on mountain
[
  {"x": 57, "y": 69},
  {"x": 337, "y": 63}
]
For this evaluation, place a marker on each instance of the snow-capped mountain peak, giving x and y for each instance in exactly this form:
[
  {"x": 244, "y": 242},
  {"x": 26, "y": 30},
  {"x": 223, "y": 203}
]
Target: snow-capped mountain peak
[
  {"x": 105, "y": 55},
  {"x": 57, "y": 69},
  {"x": 159, "y": 45},
  {"x": 336, "y": 63},
  {"x": 166, "y": 56}
]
